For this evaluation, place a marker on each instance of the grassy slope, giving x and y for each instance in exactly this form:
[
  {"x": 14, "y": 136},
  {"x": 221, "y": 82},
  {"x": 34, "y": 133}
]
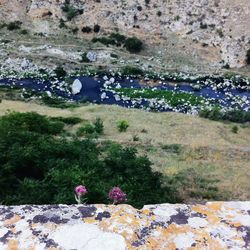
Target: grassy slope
[{"x": 209, "y": 147}]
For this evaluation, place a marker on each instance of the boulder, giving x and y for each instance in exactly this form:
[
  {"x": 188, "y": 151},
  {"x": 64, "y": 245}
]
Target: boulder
[
  {"x": 76, "y": 87},
  {"x": 91, "y": 56}
]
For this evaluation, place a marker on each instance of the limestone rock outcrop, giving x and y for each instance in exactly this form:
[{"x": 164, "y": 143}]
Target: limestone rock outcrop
[
  {"x": 214, "y": 225},
  {"x": 217, "y": 28}
]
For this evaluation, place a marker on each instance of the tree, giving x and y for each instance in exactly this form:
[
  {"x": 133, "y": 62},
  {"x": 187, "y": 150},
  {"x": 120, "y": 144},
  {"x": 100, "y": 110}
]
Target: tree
[{"x": 133, "y": 45}]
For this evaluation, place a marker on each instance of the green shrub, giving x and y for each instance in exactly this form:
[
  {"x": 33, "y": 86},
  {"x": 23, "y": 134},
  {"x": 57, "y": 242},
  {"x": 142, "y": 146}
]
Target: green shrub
[
  {"x": 99, "y": 127},
  {"x": 248, "y": 56},
  {"x": 136, "y": 138},
  {"x": 67, "y": 120},
  {"x": 129, "y": 70},
  {"x": 39, "y": 168},
  {"x": 235, "y": 129},
  {"x": 60, "y": 72},
  {"x": 14, "y": 25},
  {"x": 172, "y": 148},
  {"x": 87, "y": 129},
  {"x": 133, "y": 45},
  {"x": 97, "y": 28},
  {"x": 120, "y": 39},
  {"x": 70, "y": 11},
  {"x": 86, "y": 29},
  {"x": 57, "y": 102},
  {"x": 122, "y": 126},
  {"x": 24, "y": 32},
  {"x": 216, "y": 114},
  {"x": 84, "y": 58},
  {"x": 31, "y": 122},
  {"x": 213, "y": 114}
]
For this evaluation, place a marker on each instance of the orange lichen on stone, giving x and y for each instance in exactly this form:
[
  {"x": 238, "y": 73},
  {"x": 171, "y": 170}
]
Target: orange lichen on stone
[
  {"x": 12, "y": 220},
  {"x": 13, "y": 244},
  {"x": 218, "y": 225}
]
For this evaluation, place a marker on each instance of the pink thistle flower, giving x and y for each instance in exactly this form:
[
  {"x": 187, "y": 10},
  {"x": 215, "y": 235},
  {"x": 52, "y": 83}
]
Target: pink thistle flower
[
  {"x": 79, "y": 192},
  {"x": 117, "y": 195}
]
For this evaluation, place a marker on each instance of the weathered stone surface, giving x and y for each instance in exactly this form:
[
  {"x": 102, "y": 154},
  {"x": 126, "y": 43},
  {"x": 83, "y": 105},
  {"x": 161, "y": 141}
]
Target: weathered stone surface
[
  {"x": 76, "y": 87},
  {"x": 218, "y": 29},
  {"x": 214, "y": 225}
]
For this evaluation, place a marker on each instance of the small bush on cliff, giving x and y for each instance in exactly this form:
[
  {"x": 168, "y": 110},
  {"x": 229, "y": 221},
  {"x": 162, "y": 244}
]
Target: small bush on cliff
[
  {"x": 14, "y": 25},
  {"x": 133, "y": 45},
  {"x": 248, "y": 56},
  {"x": 70, "y": 11},
  {"x": 132, "y": 71},
  {"x": 122, "y": 126}
]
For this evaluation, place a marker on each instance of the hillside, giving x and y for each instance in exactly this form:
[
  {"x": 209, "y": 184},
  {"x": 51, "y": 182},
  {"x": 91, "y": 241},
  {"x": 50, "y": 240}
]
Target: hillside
[
  {"x": 193, "y": 35},
  {"x": 208, "y": 153}
]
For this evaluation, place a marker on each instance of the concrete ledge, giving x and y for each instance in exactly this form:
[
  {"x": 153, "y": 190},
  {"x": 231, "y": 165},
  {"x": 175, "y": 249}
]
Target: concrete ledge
[{"x": 214, "y": 225}]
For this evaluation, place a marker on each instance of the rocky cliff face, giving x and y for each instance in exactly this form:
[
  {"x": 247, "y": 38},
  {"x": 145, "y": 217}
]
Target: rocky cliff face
[
  {"x": 215, "y": 225},
  {"x": 218, "y": 30}
]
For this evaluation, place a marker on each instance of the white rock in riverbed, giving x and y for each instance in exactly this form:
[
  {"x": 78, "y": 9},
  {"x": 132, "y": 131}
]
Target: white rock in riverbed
[
  {"x": 76, "y": 87},
  {"x": 103, "y": 95}
]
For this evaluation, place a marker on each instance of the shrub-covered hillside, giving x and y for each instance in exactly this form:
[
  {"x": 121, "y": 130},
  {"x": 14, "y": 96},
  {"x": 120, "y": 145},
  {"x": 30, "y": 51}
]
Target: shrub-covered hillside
[{"x": 38, "y": 164}]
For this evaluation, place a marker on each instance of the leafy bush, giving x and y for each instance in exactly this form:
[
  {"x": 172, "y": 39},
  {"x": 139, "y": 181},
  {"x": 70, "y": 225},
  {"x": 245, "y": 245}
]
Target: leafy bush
[
  {"x": 14, "y": 25},
  {"x": 86, "y": 29},
  {"x": 94, "y": 129},
  {"x": 84, "y": 58},
  {"x": 213, "y": 114},
  {"x": 235, "y": 129},
  {"x": 31, "y": 122},
  {"x": 60, "y": 72},
  {"x": 113, "y": 39},
  {"x": 87, "y": 129},
  {"x": 67, "y": 120},
  {"x": 99, "y": 128},
  {"x": 122, "y": 126},
  {"x": 131, "y": 71},
  {"x": 39, "y": 168},
  {"x": 133, "y": 45},
  {"x": 24, "y": 32},
  {"x": 70, "y": 11},
  {"x": 97, "y": 28},
  {"x": 172, "y": 148},
  {"x": 216, "y": 114},
  {"x": 248, "y": 56},
  {"x": 57, "y": 102}
]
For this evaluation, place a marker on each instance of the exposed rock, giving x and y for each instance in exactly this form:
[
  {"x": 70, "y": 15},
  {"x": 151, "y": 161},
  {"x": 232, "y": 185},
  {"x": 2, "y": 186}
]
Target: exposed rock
[
  {"x": 76, "y": 87},
  {"x": 221, "y": 25},
  {"x": 91, "y": 56},
  {"x": 214, "y": 225}
]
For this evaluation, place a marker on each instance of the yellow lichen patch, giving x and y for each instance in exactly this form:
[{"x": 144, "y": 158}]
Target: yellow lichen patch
[
  {"x": 146, "y": 211},
  {"x": 12, "y": 245},
  {"x": 12, "y": 220},
  {"x": 235, "y": 224},
  {"x": 212, "y": 218},
  {"x": 90, "y": 220},
  {"x": 215, "y": 206},
  {"x": 175, "y": 229},
  {"x": 152, "y": 243},
  {"x": 51, "y": 226}
]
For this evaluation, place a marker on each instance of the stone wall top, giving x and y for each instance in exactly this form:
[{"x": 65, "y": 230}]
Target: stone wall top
[{"x": 214, "y": 225}]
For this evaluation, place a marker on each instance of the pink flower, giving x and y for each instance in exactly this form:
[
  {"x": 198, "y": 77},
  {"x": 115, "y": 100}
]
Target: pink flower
[
  {"x": 117, "y": 195},
  {"x": 80, "y": 190}
]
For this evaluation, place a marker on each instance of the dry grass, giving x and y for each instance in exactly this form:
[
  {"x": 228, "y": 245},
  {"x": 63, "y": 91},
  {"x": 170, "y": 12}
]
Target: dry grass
[{"x": 209, "y": 147}]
